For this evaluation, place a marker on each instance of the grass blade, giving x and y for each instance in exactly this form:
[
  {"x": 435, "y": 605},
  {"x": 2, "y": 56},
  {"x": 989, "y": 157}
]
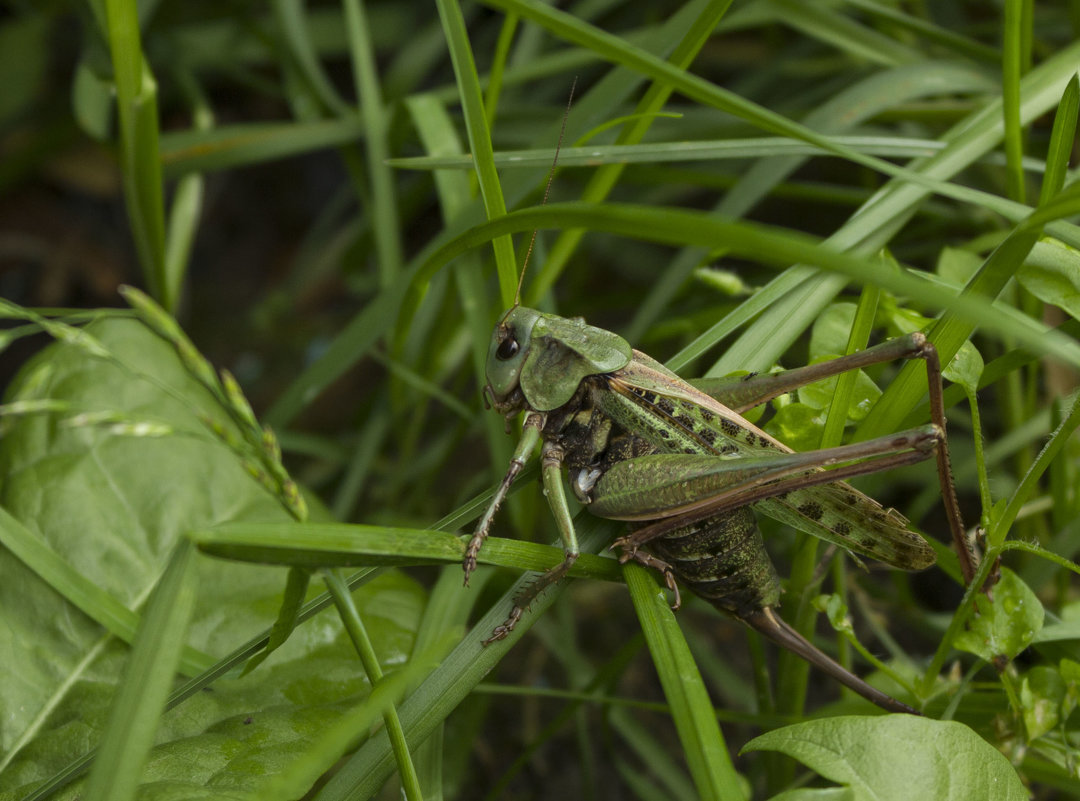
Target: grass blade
[
  {"x": 691, "y": 709},
  {"x": 139, "y": 703}
]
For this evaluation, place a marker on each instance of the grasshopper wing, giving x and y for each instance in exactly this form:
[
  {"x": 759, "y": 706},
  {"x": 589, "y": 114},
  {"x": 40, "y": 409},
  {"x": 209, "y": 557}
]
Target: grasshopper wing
[{"x": 692, "y": 422}]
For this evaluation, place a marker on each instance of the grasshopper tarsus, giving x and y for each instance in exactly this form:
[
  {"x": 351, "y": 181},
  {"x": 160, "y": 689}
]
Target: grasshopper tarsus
[
  {"x": 524, "y": 599},
  {"x": 468, "y": 563},
  {"x": 631, "y": 553},
  {"x": 502, "y": 631}
]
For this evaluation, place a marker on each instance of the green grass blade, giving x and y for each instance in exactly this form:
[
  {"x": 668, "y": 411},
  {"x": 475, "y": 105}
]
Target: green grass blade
[
  {"x": 184, "y": 216},
  {"x": 958, "y": 43},
  {"x": 472, "y": 103},
  {"x": 140, "y": 701},
  {"x": 696, "y": 34},
  {"x": 1011, "y": 66},
  {"x": 1062, "y": 138},
  {"x": 292, "y": 21},
  {"x": 770, "y": 246},
  {"x": 498, "y": 67},
  {"x": 343, "y": 545},
  {"x": 186, "y": 209},
  {"x": 669, "y": 152},
  {"x": 376, "y": 119},
  {"x": 136, "y": 100},
  {"x": 229, "y": 146},
  {"x": 825, "y": 23},
  {"x": 354, "y": 625},
  {"x": 702, "y": 743},
  {"x": 833, "y": 431}
]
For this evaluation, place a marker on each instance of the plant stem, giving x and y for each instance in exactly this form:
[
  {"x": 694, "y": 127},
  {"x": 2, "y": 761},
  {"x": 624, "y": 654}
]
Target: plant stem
[{"x": 339, "y": 591}]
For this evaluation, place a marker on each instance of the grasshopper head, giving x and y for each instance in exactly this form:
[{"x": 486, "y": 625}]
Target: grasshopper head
[
  {"x": 510, "y": 345},
  {"x": 538, "y": 360}
]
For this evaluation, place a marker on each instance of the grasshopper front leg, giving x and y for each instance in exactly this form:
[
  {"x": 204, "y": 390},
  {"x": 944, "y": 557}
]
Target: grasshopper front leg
[
  {"x": 530, "y": 434},
  {"x": 551, "y": 461}
]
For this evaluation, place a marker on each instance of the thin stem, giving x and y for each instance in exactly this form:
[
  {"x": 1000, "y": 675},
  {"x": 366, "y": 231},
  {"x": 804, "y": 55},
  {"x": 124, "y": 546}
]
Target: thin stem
[
  {"x": 339, "y": 591},
  {"x": 986, "y": 500}
]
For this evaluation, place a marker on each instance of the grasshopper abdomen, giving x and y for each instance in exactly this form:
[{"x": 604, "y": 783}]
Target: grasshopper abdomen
[{"x": 723, "y": 560}]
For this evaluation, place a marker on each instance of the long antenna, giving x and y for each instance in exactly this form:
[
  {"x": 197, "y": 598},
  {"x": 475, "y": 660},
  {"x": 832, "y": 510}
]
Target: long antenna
[{"x": 547, "y": 191}]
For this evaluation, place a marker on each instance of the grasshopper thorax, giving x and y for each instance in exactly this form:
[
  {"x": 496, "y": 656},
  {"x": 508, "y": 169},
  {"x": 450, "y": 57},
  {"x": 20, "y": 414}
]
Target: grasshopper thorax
[{"x": 538, "y": 360}]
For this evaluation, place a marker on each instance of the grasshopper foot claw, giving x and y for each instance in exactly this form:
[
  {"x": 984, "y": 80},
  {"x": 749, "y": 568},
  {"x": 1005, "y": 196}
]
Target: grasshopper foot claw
[
  {"x": 629, "y": 553},
  {"x": 503, "y": 629},
  {"x": 468, "y": 565}
]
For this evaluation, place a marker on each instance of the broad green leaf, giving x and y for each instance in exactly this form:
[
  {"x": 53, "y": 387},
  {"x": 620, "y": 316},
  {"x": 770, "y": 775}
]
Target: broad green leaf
[
  {"x": 957, "y": 265},
  {"x": 93, "y": 98},
  {"x": 113, "y": 507},
  {"x": 965, "y": 367},
  {"x": 820, "y": 394},
  {"x": 726, "y": 282},
  {"x": 1070, "y": 612},
  {"x": 900, "y": 318},
  {"x": 816, "y": 794},
  {"x": 1070, "y": 674},
  {"x": 797, "y": 425},
  {"x": 1041, "y": 694},
  {"x": 1051, "y": 273},
  {"x": 836, "y": 610},
  {"x": 1005, "y": 626},
  {"x": 897, "y": 758},
  {"x": 830, "y": 332}
]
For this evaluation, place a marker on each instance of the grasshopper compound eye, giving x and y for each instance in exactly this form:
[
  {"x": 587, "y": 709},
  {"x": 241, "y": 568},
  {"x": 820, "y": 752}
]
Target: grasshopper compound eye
[{"x": 508, "y": 348}]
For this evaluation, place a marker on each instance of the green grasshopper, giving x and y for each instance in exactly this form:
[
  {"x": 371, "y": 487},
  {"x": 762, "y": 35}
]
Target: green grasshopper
[{"x": 680, "y": 463}]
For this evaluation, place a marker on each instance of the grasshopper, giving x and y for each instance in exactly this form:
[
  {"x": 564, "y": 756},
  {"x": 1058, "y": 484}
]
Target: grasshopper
[{"x": 682, "y": 465}]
